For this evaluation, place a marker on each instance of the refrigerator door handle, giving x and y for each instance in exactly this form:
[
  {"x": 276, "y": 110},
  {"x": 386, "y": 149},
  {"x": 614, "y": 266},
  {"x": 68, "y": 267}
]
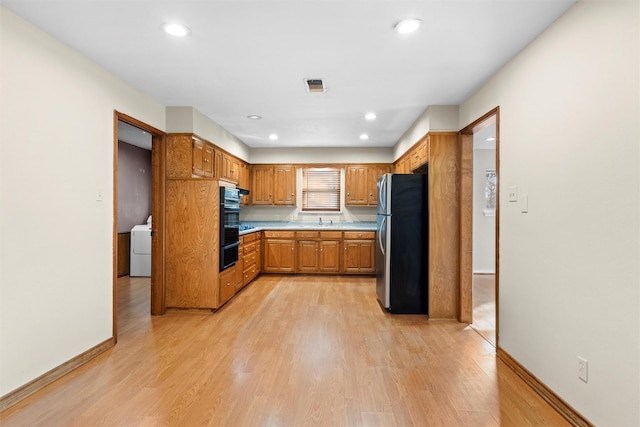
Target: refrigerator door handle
[{"x": 383, "y": 226}]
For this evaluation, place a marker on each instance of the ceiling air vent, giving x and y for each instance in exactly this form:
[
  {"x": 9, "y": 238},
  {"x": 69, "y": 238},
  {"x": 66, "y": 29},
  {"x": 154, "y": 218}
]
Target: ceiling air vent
[{"x": 315, "y": 85}]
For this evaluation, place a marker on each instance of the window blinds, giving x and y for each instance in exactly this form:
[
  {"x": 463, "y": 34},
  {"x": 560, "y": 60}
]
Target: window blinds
[{"x": 320, "y": 189}]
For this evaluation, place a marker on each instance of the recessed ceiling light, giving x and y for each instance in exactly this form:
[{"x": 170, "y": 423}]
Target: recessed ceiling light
[
  {"x": 176, "y": 30},
  {"x": 273, "y": 137},
  {"x": 254, "y": 117},
  {"x": 370, "y": 116},
  {"x": 408, "y": 25},
  {"x": 364, "y": 136}
]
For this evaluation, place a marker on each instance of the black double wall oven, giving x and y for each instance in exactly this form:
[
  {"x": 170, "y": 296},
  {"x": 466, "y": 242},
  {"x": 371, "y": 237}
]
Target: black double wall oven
[{"x": 229, "y": 226}]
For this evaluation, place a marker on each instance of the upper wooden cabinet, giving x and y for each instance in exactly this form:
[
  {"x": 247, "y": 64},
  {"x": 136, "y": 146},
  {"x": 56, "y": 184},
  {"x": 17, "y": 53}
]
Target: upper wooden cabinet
[
  {"x": 230, "y": 168},
  {"x": 417, "y": 156},
  {"x": 420, "y": 153},
  {"x": 202, "y": 159},
  {"x": 284, "y": 185},
  {"x": 189, "y": 156},
  {"x": 361, "y": 182},
  {"x": 273, "y": 185}
]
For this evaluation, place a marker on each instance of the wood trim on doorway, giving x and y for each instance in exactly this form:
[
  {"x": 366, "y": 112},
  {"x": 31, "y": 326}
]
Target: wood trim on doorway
[
  {"x": 466, "y": 214},
  {"x": 157, "y": 212}
]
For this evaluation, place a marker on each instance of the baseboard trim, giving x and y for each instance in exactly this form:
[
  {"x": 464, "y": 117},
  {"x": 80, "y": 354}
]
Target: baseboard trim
[
  {"x": 11, "y": 398},
  {"x": 567, "y": 411}
]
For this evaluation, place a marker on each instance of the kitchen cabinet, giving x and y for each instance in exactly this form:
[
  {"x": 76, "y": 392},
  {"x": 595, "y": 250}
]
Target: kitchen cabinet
[
  {"x": 230, "y": 168},
  {"x": 419, "y": 154},
  {"x": 226, "y": 284},
  {"x": 250, "y": 256},
  {"x": 279, "y": 252},
  {"x": 239, "y": 280},
  {"x": 359, "y": 252},
  {"x": 284, "y": 189},
  {"x": 202, "y": 159},
  {"x": 244, "y": 182},
  {"x": 273, "y": 185},
  {"x": 361, "y": 184},
  {"x": 318, "y": 251},
  {"x": 373, "y": 173},
  {"x": 192, "y": 240},
  {"x": 355, "y": 185},
  {"x": 261, "y": 185}
]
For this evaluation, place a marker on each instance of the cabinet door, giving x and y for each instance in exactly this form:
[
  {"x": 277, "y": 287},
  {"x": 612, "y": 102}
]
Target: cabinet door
[
  {"x": 208, "y": 161},
  {"x": 367, "y": 256},
  {"x": 279, "y": 256},
  {"x": 243, "y": 182},
  {"x": 359, "y": 256},
  {"x": 329, "y": 258},
  {"x": 287, "y": 256},
  {"x": 227, "y": 284},
  {"x": 373, "y": 173},
  {"x": 284, "y": 185},
  {"x": 355, "y": 185},
  {"x": 261, "y": 185},
  {"x": 197, "y": 158},
  {"x": 307, "y": 256}
]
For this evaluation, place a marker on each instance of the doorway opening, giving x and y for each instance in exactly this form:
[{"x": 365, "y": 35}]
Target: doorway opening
[
  {"x": 479, "y": 225},
  {"x": 138, "y": 213}
]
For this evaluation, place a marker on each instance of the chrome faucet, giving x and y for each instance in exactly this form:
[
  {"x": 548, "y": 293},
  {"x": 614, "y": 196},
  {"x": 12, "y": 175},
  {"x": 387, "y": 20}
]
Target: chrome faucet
[{"x": 320, "y": 220}]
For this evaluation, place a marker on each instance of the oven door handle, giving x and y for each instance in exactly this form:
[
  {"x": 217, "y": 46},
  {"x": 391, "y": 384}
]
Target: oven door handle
[{"x": 231, "y": 245}]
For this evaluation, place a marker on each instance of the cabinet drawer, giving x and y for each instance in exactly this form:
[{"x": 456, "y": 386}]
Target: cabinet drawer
[
  {"x": 307, "y": 234},
  {"x": 249, "y": 259},
  {"x": 249, "y": 247},
  {"x": 331, "y": 234},
  {"x": 359, "y": 234},
  {"x": 249, "y": 237},
  {"x": 274, "y": 234},
  {"x": 249, "y": 274}
]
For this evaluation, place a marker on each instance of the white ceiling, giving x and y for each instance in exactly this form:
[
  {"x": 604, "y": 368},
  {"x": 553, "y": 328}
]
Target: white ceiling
[{"x": 248, "y": 57}]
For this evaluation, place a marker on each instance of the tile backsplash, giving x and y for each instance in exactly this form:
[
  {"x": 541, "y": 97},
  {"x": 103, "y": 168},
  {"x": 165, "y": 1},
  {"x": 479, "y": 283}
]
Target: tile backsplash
[{"x": 286, "y": 213}]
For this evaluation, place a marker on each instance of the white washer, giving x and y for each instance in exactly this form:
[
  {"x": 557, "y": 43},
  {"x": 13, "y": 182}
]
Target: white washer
[{"x": 140, "y": 258}]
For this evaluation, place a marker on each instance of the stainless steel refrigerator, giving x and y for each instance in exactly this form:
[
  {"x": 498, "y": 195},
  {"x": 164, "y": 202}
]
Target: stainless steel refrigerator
[{"x": 402, "y": 243}]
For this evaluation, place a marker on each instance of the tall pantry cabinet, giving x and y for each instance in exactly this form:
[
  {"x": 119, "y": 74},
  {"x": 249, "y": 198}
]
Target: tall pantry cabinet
[{"x": 192, "y": 208}]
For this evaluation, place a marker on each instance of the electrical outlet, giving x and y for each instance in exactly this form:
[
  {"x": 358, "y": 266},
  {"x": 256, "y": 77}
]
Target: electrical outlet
[{"x": 583, "y": 369}]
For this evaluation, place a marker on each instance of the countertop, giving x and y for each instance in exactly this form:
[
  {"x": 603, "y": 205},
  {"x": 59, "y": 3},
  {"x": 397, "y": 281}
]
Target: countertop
[{"x": 300, "y": 225}]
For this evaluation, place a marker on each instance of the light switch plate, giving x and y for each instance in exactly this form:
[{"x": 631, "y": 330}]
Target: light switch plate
[{"x": 513, "y": 193}]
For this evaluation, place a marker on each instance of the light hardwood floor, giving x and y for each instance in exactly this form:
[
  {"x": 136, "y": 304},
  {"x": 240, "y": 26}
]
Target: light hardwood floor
[
  {"x": 484, "y": 306},
  {"x": 287, "y": 351}
]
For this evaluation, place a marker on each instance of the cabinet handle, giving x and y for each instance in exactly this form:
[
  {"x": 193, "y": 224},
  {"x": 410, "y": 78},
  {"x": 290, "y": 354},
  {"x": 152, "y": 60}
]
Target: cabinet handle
[{"x": 292, "y": 194}]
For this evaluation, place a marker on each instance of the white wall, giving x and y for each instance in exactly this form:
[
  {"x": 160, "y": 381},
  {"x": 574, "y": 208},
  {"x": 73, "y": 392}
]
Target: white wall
[
  {"x": 321, "y": 155},
  {"x": 484, "y": 225},
  {"x": 189, "y": 119},
  {"x": 56, "y": 155},
  {"x": 569, "y": 269},
  {"x": 434, "y": 118}
]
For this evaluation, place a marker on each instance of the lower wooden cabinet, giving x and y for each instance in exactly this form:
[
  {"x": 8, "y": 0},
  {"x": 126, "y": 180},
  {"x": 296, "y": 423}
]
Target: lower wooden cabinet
[
  {"x": 250, "y": 256},
  {"x": 319, "y": 255},
  {"x": 314, "y": 252},
  {"x": 227, "y": 283},
  {"x": 279, "y": 252},
  {"x": 359, "y": 252}
]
